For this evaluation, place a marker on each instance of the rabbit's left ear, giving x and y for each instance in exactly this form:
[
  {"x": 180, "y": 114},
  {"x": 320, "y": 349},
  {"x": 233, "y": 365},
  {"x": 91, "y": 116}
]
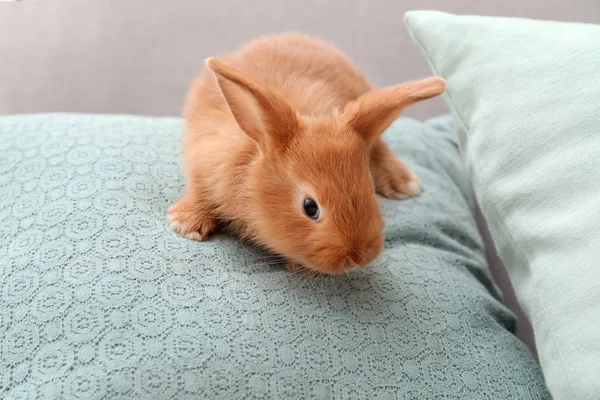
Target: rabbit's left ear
[
  {"x": 259, "y": 111},
  {"x": 373, "y": 112}
]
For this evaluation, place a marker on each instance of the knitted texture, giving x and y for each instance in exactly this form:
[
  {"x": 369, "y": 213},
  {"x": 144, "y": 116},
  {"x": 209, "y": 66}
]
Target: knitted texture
[{"x": 101, "y": 300}]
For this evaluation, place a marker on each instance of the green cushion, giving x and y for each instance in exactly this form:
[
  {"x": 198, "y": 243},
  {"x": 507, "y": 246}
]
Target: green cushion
[
  {"x": 525, "y": 95},
  {"x": 99, "y": 299}
]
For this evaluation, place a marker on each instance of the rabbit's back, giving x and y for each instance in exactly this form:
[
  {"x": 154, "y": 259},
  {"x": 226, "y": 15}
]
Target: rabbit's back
[{"x": 311, "y": 74}]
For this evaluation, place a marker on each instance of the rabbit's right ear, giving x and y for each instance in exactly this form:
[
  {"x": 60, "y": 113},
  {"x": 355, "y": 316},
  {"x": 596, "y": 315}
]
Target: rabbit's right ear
[
  {"x": 259, "y": 111},
  {"x": 373, "y": 112}
]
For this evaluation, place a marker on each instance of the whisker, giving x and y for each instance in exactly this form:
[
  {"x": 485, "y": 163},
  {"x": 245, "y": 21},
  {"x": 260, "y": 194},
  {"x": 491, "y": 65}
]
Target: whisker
[
  {"x": 299, "y": 272},
  {"x": 264, "y": 258},
  {"x": 265, "y": 264}
]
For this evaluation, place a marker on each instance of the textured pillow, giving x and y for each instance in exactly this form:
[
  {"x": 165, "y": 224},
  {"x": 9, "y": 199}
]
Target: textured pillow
[
  {"x": 525, "y": 95},
  {"x": 99, "y": 299}
]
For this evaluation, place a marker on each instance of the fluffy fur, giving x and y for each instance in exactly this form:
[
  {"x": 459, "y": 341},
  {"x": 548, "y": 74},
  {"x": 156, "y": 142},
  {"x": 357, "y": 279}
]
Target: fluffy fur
[{"x": 284, "y": 118}]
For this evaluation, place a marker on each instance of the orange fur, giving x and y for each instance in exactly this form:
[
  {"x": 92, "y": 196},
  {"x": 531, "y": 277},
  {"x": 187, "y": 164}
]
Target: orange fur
[{"x": 284, "y": 118}]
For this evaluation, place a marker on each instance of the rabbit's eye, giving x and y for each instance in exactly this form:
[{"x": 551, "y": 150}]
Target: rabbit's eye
[{"x": 311, "y": 209}]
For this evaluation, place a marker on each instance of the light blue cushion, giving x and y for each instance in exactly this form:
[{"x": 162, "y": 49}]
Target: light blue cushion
[{"x": 99, "y": 299}]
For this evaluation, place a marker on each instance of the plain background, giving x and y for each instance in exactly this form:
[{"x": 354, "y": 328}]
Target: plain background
[{"x": 138, "y": 56}]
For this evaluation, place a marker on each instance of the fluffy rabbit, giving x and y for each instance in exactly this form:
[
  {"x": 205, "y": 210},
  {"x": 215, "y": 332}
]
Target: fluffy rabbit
[{"x": 283, "y": 145}]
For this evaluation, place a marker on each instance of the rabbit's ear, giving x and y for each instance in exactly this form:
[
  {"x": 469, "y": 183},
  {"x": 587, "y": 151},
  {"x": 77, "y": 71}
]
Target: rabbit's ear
[
  {"x": 259, "y": 111},
  {"x": 373, "y": 112}
]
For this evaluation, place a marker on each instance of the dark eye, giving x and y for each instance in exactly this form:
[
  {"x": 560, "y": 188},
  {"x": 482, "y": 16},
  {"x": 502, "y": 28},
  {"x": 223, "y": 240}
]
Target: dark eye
[{"x": 311, "y": 208}]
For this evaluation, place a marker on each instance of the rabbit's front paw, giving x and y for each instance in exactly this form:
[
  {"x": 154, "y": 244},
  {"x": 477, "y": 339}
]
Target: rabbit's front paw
[{"x": 191, "y": 220}]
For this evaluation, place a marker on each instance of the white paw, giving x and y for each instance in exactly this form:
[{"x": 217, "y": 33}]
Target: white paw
[
  {"x": 193, "y": 236},
  {"x": 174, "y": 223},
  {"x": 413, "y": 188},
  {"x": 181, "y": 229}
]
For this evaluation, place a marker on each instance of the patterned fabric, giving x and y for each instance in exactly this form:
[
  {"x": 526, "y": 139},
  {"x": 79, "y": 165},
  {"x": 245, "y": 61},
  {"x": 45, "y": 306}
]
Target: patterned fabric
[{"x": 100, "y": 300}]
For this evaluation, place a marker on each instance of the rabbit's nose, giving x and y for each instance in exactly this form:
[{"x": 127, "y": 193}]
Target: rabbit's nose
[
  {"x": 351, "y": 265},
  {"x": 356, "y": 258}
]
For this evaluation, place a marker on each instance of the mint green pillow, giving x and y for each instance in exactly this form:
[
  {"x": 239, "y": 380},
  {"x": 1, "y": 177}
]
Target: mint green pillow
[
  {"x": 99, "y": 299},
  {"x": 526, "y": 101}
]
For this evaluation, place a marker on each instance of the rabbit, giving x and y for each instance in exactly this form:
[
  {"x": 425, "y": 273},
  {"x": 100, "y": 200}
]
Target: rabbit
[{"x": 282, "y": 145}]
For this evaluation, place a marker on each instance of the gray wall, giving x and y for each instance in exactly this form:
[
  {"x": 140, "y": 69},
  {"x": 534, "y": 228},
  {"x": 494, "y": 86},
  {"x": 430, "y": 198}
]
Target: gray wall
[{"x": 138, "y": 56}]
